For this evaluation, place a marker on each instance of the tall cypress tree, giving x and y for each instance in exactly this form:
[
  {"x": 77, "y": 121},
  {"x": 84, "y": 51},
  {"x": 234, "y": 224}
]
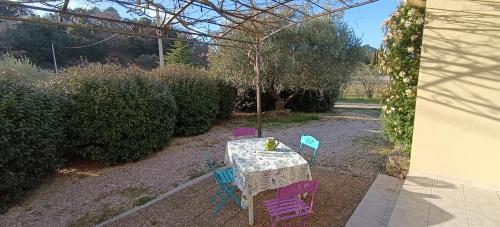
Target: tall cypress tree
[{"x": 180, "y": 53}]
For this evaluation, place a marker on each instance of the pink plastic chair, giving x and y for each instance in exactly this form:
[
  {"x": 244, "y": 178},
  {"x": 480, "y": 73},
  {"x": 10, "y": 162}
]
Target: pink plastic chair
[
  {"x": 244, "y": 132},
  {"x": 288, "y": 205}
]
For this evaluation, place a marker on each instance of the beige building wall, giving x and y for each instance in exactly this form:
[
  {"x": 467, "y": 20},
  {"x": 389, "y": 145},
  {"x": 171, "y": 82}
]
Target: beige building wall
[{"x": 457, "y": 122}]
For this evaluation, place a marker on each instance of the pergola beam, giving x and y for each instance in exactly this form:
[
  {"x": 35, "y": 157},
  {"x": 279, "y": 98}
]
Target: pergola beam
[
  {"x": 50, "y": 23},
  {"x": 326, "y": 13},
  {"x": 63, "y": 9},
  {"x": 178, "y": 13},
  {"x": 118, "y": 25},
  {"x": 255, "y": 15}
]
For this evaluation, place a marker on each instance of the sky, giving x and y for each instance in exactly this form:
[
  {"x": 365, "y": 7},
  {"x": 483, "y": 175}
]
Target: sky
[{"x": 366, "y": 20}]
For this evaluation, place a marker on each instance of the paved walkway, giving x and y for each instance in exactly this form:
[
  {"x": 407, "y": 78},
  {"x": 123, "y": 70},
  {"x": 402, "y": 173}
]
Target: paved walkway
[
  {"x": 439, "y": 201},
  {"x": 376, "y": 207},
  {"x": 357, "y": 105}
]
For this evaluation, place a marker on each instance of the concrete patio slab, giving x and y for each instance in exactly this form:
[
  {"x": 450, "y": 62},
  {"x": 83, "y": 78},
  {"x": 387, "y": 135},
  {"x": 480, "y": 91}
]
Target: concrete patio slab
[{"x": 429, "y": 200}]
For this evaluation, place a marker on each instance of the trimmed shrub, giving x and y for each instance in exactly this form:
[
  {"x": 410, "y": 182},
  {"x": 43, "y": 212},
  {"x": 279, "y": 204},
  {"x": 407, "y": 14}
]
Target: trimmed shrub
[
  {"x": 196, "y": 95},
  {"x": 247, "y": 101},
  {"x": 31, "y": 130},
  {"x": 147, "y": 61},
  {"x": 312, "y": 101},
  {"x": 309, "y": 101},
  {"x": 227, "y": 97},
  {"x": 117, "y": 115}
]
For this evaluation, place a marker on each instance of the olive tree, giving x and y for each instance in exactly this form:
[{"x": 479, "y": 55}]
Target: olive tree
[
  {"x": 369, "y": 78},
  {"x": 317, "y": 55}
]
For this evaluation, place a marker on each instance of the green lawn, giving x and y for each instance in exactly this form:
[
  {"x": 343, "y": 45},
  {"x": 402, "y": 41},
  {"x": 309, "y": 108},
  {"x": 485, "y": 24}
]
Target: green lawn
[
  {"x": 276, "y": 120},
  {"x": 360, "y": 100},
  {"x": 338, "y": 111}
]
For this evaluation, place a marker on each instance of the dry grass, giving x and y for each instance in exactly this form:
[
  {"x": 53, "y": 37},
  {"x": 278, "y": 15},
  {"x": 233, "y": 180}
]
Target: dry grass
[
  {"x": 136, "y": 197},
  {"x": 277, "y": 120},
  {"x": 143, "y": 200},
  {"x": 90, "y": 218},
  {"x": 375, "y": 143},
  {"x": 355, "y": 112}
]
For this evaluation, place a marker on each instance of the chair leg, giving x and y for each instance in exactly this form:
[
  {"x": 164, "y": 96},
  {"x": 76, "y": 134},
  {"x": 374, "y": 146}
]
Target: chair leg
[
  {"x": 303, "y": 221},
  {"x": 312, "y": 161},
  {"x": 235, "y": 200},
  {"x": 274, "y": 223},
  {"x": 224, "y": 192},
  {"x": 229, "y": 192},
  {"x": 219, "y": 207},
  {"x": 214, "y": 196}
]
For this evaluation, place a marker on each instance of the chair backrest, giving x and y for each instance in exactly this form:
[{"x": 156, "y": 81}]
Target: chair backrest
[
  {"x": 244, "y": 132},
  {"x": 298, "y": 188},
  {"x": 212, "y": 165},
  {"x": 309, "y": 141}
]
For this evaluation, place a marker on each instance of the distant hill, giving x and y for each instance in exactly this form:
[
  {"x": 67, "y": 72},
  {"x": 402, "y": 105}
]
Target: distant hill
[
  {"x": 4, "y": 26},
  {"x": 77, "y": 46}
]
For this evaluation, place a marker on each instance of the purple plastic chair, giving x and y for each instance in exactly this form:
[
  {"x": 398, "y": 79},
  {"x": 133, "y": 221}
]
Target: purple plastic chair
[
  {"x": 244, "y": 132},
  {"x": 288, "y": 205}
]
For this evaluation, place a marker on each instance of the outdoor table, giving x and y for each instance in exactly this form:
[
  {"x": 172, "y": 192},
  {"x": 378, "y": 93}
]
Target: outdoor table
[{"x": 257, "y": 170}]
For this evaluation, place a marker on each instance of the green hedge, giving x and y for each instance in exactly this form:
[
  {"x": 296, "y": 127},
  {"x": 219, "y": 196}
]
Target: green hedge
[
  {"x": 116, "y": 114},
  {"x": 312, "y": 101},
  {"x": 308, "y": 101},
  {"x": 196, "y": 95},
  {"x": 227, "y": 98},
  {"x": 31, "y": 130},
  {"x": 246, "y": 101}
]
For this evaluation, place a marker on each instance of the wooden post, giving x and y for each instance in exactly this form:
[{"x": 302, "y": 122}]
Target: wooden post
[
  {"x": 54, "y": 56},
  {"x": 160, "y": 41},
  {"x": 257, "y": 91}
]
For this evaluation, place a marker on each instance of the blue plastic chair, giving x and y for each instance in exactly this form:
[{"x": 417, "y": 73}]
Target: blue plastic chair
[
  {"x": 224, "y": 179},
  {"x": 311, "y": 142}
]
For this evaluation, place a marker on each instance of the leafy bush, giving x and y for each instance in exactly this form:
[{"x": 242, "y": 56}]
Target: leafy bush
[
  {"x": 308, "y": 101},
  {"x": 227, "y": 97},
  {"x": 21, "y": 69},
  {"x": 31, "y": 130},
  {"x": 147, "y": 61},
  {"x": 247, "y": 101},
  {"x": 400, "y": 59},
  {"x": 312, "y": 101},
  {"x": 196, "y": 95},
  {"x": 117, "y": 115}
]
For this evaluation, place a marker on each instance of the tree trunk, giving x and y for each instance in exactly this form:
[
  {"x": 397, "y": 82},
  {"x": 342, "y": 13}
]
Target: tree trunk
[
  {"x": 279, "y": 104},
  {"x": 370, "y": 94}
]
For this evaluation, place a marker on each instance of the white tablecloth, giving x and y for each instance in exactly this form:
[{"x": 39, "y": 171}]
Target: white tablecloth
[{"x": 257, "y": 170}]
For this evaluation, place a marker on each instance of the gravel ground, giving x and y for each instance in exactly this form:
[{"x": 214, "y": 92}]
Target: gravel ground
[
  {"x": 334, "y": 204},
  {"x": 350, "y": 147}
]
